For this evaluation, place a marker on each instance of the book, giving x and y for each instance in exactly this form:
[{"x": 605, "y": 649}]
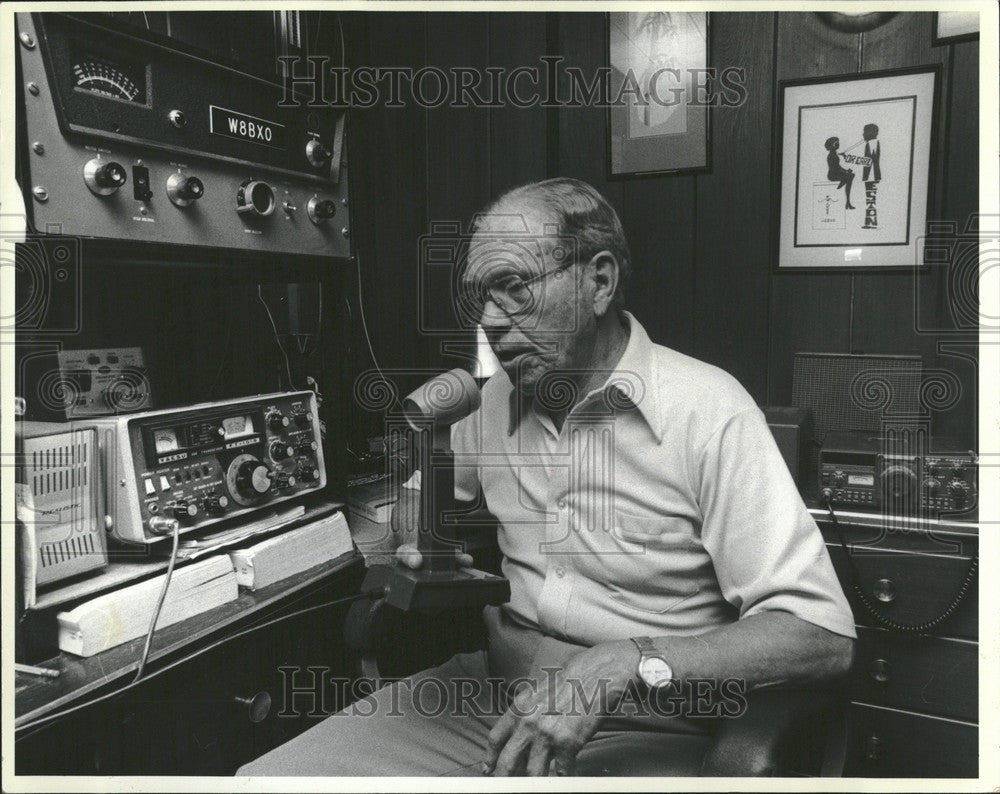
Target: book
[
  {"x": 124, "y": 614},
  {"x": 373, "y": 499},
  {"x": 292, "y": 552}
]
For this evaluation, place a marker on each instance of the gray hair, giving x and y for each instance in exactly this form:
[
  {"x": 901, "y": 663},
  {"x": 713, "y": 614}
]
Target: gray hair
[{"x": 580, "y": 213}]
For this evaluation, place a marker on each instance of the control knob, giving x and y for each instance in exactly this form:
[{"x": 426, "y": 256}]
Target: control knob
[
  {"x": 316, "y": 153},
  {"x": 284, "y": 480},
  {"x": 215, "y": 503},
  {"x": 959, "y": 491},
  {"x": 302, "y": 418},
  {"x": 183, "y": 190},
  {"x": 255, "y": 198},
  {"x": 104, "y": 177},
  {"x": 277, "y": 421},
  {"x": 182, "y": 510},
  {"x": 307, "y": 445},
  {"x": 839, "y": 478},
  {"x": 321, "y": 210},
  {"x": 932, "y": 485},
  {"x": 308, "y": 472},
  {"x": 253, "y": 479},
  {"x": 898, "y": 486},
  {"x": 279, "y": 450}
]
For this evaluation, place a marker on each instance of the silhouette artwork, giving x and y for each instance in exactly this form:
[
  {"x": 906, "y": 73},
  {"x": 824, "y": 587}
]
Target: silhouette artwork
[
  {"x": 873, "y": 151},
  {"x": 844, "y": 177}
]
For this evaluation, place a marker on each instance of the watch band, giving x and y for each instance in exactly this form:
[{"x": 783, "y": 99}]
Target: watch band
[{"x": 645, "y": 646}]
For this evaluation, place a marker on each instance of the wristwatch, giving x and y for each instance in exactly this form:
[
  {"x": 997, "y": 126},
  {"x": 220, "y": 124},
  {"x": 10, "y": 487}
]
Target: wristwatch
[{"x": 654, "y": 670}]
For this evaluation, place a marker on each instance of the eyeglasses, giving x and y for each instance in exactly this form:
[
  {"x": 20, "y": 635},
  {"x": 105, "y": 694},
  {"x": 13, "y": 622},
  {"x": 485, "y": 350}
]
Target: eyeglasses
[{"x": 511, "y": 294}]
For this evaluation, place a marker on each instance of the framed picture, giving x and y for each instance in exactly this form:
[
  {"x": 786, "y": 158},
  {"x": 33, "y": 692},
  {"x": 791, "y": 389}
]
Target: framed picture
[
  {"x": 854, "y": 168},
  {"x": 951, "y": 27},
  {"x": 658, "y": 115}
]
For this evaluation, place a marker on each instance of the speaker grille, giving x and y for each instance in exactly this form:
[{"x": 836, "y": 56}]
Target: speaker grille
[
  {"x": 856, "y": 392},
  {"x": 66, "y": 520}
]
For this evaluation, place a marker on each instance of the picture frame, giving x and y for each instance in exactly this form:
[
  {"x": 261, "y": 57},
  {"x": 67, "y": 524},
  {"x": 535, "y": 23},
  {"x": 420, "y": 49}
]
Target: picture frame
[
  {"x": 953, "y": 27},
  {"x": 853, "y": 169},
  {"x": 667, "y": 55}
]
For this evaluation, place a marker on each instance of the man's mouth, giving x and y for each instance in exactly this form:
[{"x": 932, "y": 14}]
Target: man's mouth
[{"x": 511, "y": 355}]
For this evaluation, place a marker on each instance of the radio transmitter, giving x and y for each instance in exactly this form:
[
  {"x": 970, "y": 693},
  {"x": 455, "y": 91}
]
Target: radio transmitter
[
  {"x": 204, "y": 463},
  {"x": 859, "y": 469},
  {"x": 131, "y": 138}
]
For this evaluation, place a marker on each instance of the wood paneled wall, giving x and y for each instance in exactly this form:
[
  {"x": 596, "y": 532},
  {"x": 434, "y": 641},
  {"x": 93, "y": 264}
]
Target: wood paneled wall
[{"x": 704, "y": 281}]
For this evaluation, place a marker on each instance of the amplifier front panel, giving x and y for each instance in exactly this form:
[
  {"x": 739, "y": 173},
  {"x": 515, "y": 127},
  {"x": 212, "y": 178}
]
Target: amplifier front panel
[{"x": 180, "y": 185}]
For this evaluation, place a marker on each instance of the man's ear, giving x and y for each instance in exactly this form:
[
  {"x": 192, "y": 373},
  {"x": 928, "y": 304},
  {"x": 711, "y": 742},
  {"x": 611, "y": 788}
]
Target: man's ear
[{"x": 603, "y": 270}]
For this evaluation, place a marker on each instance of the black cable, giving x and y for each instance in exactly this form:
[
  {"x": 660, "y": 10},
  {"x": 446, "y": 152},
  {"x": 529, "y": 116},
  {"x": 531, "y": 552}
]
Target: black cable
[
  {"x": 159, "y": 603},
  {"x": 873, "y": 610},
  {"x": 221, "y": 641}
]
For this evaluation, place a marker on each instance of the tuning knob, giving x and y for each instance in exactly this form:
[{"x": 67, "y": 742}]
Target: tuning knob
[
  {"x": 280, "y": 450},
  {"x": 307, "y": 445},
  {"x": 277, "y": 421},
  {"x": 839, "y": 478},
  {"x": 932, "y": 485},
  {"x": 255, "y": 198},
  {"x": 284, "y": 480},
  {"x": 183, "y": 190},
  {"x": 181, "y": 510},
  {"x": 959, "y": 491},
  {"x": 316, "y": 153},
  {"x": 302, "y": 418},
  {"x": 104, "y": 177},
  {"x": 899, "y": 484},
  {"x": 321, "y": 210},
  {"x": 215, "y": 503},
  {"x": 253, "y": 479}
]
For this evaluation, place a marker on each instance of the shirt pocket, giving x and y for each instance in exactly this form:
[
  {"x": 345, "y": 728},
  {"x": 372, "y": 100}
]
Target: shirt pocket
[
  {"x": 651, "y": 530},
  {"x": 661, "y": 568}
]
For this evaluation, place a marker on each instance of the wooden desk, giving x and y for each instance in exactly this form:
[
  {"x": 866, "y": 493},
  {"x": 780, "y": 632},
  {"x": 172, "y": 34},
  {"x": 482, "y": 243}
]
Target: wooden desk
[{"x": 914, "y": 707}]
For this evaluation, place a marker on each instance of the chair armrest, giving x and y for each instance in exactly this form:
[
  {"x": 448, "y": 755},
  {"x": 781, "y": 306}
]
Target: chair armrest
[{"x": 780, "y": 729}]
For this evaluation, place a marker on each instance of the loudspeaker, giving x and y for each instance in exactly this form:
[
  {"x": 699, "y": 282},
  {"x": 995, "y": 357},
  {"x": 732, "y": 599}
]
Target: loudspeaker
[
  {"x": 856, "y": 392},
  {"x": 792, "y": 430}
]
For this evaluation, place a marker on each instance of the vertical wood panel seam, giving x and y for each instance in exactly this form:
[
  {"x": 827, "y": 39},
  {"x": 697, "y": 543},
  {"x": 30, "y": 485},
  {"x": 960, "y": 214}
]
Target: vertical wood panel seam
[{"x": 771, "y": 263}]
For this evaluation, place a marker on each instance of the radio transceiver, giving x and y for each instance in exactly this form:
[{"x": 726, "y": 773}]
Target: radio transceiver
[
  {"x": 201, "y": 464},
  {"x": 859, "y": 469}
]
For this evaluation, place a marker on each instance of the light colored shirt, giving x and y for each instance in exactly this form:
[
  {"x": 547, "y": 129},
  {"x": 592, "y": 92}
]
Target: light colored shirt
[{"x": 662, "y": 506}]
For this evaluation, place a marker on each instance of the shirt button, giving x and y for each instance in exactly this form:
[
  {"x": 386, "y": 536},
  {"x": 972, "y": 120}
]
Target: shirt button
[{"x": 560, "y": 571}]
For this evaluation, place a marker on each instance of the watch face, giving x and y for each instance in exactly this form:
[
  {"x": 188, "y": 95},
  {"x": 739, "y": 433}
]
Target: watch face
[{"x": 655, "y": 671}]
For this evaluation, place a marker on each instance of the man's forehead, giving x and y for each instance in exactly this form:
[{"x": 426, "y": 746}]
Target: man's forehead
[{"x": 520, "y": 235}]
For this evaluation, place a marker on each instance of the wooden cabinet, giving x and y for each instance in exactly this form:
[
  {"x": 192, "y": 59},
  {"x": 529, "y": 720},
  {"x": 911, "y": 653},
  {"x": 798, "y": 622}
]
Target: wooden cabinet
[{"x": 914, "y": 707}]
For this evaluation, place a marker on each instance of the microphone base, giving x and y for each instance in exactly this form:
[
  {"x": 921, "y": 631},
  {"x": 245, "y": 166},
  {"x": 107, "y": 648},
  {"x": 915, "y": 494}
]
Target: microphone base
[{"x": 436, "y": 591}]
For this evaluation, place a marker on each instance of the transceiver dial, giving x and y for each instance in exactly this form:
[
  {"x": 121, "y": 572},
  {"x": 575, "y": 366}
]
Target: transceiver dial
[
  {"x": 255, "y": 198},
  {"x": 248, "y": 479}
]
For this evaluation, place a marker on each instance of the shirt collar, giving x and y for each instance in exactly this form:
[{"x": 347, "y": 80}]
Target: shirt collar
[{"x": 631, "y": 383}]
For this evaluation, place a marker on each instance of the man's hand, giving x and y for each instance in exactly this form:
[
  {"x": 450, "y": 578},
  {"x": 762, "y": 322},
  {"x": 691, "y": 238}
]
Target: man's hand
[
  {"x": 554, "y": 721},
  {"x": 410, "y": 556}
]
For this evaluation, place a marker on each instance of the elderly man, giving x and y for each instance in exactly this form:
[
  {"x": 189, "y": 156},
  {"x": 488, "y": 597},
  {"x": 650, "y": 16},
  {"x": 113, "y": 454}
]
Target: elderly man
[{"x": 651, "y": 533}]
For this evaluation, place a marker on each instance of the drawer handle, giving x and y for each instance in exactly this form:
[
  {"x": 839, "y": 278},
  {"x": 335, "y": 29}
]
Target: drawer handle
[
  {"x": 258, "y": 706},
  {"x": 873, "y": 748},
  {"x": 885, "y": 591},
  {"x": 879, "y": 671}
]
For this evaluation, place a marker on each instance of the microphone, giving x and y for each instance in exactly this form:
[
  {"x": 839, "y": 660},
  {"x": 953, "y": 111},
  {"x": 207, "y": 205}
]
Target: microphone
[{"x": 439, "y": 584}]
